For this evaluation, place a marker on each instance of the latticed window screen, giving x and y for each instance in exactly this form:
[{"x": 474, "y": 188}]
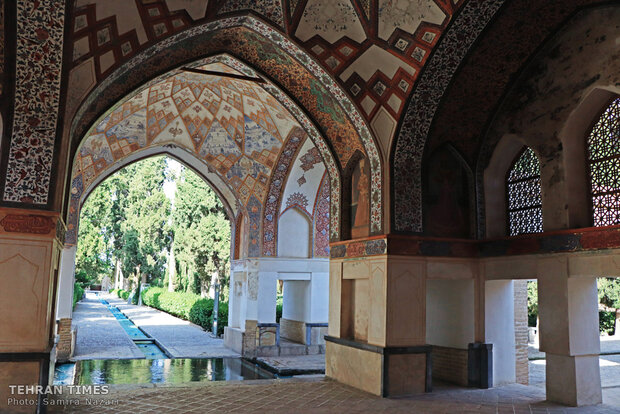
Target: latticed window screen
[
  {"x": 524, "y": 195},
  {"x": 604, "y": 157}
]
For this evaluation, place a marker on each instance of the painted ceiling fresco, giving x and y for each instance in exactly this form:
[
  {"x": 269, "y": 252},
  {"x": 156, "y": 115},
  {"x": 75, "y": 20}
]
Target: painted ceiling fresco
[
  {"x": 234, "y": 125},
  {"x": 374, "y": 48}
]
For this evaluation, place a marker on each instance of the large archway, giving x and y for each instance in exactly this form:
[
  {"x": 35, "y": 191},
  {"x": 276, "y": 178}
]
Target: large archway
[{"x": 220, "y": 118}]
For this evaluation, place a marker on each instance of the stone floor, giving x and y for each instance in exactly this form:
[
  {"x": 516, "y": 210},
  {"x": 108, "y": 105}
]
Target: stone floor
[
  {"x": 324, "y": 396},
  {"x": 100, "y": 336},
  {"x": 292, "y": 365}
]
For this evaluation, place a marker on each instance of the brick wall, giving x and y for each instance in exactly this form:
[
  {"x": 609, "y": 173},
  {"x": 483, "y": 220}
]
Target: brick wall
[
  {"x": 63, "y": 348},
  {"x": 521, "y": 333},
  {"x": 450, "y": 365}
]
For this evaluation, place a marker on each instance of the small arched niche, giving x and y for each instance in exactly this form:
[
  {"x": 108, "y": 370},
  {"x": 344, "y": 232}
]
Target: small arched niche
[
  {"x": 294, "y": 234},
  {"x": 356, "y": 198},
  {"x": 448, "y": 195}
]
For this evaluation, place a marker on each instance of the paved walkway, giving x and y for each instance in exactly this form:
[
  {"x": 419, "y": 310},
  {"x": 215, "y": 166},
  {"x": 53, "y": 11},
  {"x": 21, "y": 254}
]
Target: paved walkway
[
  {"x": 100, "y": 336},
  {"x": 325, "y": 396},
  {"x": 181, "y": 339}
]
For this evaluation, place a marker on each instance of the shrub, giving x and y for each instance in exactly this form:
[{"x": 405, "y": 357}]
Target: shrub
[
  {"x": 188, "y": 306},
  {"x": 606, "y": 322},
  {"x": 278, "y": 309},
  {"x": 78, "y": 292},
  {"x": 122, "y": 294}
]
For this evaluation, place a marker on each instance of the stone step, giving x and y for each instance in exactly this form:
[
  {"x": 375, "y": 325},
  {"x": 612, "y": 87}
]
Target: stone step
[{"x": 290, "y": 350}]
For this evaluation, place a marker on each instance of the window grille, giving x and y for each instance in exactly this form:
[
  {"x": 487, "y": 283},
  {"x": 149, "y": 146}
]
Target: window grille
[
  {"x": 604, "y": 160},
  {"x": 523, "y": 191}
]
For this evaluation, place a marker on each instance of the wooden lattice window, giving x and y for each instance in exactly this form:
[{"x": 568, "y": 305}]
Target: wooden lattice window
[
  {"x": 604, "y": 159},
  {"x": 523, "y": 193}
]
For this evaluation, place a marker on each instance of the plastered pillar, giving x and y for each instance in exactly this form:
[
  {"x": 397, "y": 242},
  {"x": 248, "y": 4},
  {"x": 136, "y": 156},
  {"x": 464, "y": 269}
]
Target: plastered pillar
[
  {"x": 569, "y": 334},
  {"x": 30, "y": 246},
  {"x": 66, "y": 280},
  {"x": 377, "y": 325}
]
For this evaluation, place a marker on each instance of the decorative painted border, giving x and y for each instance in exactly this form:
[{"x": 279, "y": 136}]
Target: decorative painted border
[
  {"x": 573, "y": 240},
  {"x": 276, "y": 188},
  {"x": 304, "y": 60},
  {"x": 38, "y": 70},
  {"x": 408, "y": 149}
]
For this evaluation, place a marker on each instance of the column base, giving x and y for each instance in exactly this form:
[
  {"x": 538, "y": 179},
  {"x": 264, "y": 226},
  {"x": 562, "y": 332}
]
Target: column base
[
  {"x": 573, "y": 380},
  {"x": 383, "y": 371},
  {"x": 22, "y": 369}
]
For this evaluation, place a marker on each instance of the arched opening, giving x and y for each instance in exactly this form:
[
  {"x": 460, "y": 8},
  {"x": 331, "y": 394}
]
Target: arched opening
[{"x": 267, "y": 170}]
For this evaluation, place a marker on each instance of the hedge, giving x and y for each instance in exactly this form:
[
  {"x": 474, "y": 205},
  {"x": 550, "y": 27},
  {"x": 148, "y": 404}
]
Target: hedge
[
  {"x": 122, "y": 294},
  {"x": 188, "y": 306},
  {"x": 78, "y": 292}
]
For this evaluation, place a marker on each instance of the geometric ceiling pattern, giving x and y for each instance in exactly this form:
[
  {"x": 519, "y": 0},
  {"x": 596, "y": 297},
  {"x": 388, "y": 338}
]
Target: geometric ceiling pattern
[
  {"x": 375, "y": 49},
  {"x": 234, "y": 125},
  {"x": 269, "y": 51}
]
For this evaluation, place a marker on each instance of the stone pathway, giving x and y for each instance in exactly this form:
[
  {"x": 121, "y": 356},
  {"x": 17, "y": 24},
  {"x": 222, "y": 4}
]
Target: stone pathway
[
  {"x": 325, "y": 396},
  {"x": 180, "y": 338},
  {"x": 99, "y": 335}
]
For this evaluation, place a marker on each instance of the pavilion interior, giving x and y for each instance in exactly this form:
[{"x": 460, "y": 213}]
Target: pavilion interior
[{"x": 403, "y": 167}]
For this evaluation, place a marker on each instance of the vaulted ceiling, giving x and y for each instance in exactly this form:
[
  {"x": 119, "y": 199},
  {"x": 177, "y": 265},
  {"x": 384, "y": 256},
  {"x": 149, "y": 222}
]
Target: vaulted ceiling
[
  {"x": 374, "y": 48},
  {"x": 416, "y": 73}
]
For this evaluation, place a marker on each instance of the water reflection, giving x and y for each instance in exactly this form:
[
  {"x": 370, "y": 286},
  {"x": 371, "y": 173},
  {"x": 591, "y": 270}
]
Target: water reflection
[{"x": 169, "y": 371}]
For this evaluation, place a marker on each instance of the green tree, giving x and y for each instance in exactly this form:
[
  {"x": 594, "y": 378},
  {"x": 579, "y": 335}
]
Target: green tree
[
  {"x": 145, "y": 229},
  {"x": 129, "y": 220},
  {"x": 201, "y": 232}
]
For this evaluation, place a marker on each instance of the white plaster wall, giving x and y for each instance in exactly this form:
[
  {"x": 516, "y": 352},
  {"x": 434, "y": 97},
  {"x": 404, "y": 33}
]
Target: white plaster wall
[
  {"x": 450, "y": 313},
  {"x": 294, "y": 232},
  {"x": 296, "y": 300},
  {"x": 255, "y": 281},
  {"x": 499, "y": 328},
  {"x": 64, "y": 298},
  {"x": 319, "y": 298},
  {"x": 267, "y": 295}
]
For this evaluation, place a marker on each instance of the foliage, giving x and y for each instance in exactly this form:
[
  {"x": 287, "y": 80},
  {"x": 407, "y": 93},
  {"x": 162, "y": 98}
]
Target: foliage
[
  {"x": 78, "y": 292},
  {"x": 609, "y": 292},
  {"x": 188, "y": 306},
  {"x": 607, "y": 322},
  {"x": 201, "y": 233},
  {"x": 123, "y": 294},
  {"x": 532, "y": 303},
  {"x": 128, "y": 220},
  {"x": 279, "y": 308}
]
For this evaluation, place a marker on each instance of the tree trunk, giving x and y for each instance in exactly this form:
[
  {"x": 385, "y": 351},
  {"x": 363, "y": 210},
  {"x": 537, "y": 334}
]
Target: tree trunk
[{"x": 172, "y": 268}]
